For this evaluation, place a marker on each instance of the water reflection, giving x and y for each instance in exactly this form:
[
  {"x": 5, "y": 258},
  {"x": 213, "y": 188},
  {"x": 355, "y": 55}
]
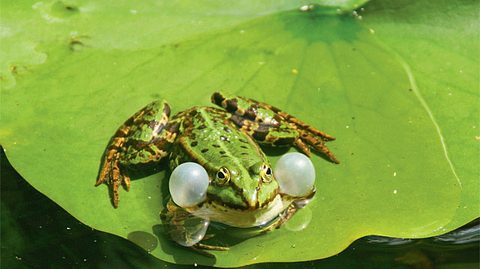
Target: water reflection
[{"x": 145, "y": 240}]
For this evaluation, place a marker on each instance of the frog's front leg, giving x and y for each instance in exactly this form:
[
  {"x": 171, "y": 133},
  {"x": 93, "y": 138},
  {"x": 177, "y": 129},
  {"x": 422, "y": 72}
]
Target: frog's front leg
[
  {"x": 144, "y": 138},
  {"x": 288, "y": 213},
  {"x": 187, "y": 229},
  {"x": 269, "y": 125}
]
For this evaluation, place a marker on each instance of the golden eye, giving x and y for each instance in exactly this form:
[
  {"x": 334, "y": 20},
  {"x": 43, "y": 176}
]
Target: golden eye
[
  {"x": 266, "y": 173},
  {"x": 223, "y": 176}
]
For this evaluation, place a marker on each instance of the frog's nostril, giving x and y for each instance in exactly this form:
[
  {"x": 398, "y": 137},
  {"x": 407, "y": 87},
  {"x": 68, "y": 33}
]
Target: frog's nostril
[
  {"x": 252, "y": 198},
  {"x": 217, "y": 98},
  {"x": 253, "y": 205}
]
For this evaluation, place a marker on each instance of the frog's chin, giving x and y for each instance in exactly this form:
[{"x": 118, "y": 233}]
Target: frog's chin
[{"x": 242, "y": 218}]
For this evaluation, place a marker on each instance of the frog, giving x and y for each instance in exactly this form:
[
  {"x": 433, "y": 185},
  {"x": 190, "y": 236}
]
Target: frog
[{"x": 227, "y": 141}]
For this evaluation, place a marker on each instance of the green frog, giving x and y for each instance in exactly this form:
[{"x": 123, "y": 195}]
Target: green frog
[{"x": 242, "y": 190}]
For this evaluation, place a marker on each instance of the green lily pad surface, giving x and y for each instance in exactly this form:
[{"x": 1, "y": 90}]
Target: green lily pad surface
[{"x": 396, "y": 82}]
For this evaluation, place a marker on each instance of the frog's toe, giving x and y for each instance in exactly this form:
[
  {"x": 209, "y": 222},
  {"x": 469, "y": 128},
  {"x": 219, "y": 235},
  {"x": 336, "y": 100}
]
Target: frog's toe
[
  {"x": 202, "y": 252},
  {"x": 210, "y": 247},
  {"x": 302, "y": 147},
  {"x": 104, "y": 173},
  {"x": 114, "y": 194},
  {"x": 112, "y": 175},
  {"x": 126, "y": 182},
  {"x": 321, "y": 147},
  {"x": 100, "y": 180},
  {"x": 315, "y": 142}
]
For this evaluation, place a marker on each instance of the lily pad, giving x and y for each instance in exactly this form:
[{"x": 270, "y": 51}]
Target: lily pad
[{"x": 369, "y": 78}]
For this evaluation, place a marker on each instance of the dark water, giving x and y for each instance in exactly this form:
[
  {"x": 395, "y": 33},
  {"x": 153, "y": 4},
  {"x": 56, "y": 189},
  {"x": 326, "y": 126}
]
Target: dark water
[{"x": 37, "y": 233}]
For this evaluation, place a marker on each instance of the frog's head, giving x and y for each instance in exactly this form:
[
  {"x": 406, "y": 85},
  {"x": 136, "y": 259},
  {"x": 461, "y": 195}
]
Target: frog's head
[{"x": 243, "y": 187}]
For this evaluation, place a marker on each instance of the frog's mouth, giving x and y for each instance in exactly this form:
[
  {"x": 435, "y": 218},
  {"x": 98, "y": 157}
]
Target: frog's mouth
[{"x": 242, "y": 218}]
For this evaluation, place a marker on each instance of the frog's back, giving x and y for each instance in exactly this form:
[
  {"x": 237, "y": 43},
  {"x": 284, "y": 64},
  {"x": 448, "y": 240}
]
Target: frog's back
[
  {"x": 209, "y": 134},
  {"x": 241, "y": 193}
]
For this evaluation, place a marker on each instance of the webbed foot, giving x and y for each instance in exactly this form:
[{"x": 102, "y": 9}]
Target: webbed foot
[{"x": 111, "y": 173}]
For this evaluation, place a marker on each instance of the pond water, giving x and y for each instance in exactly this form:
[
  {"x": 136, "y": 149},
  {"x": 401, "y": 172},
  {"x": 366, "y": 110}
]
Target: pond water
[{"x": 37, "y": 233}]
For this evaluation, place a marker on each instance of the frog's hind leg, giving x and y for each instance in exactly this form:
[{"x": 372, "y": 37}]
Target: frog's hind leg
[
  {"x": 308, "y": 140},
  {"x": 269, "y": 125},
  {"x": 309, "y": 136},
  {"x": 144, "y": 138},
  {"x": 110, "y": 170}
]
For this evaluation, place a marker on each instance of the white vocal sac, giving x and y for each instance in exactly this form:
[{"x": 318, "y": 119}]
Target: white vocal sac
[
  {"x": 188, "y": 184},
  {"x": 295, "y": 174}
]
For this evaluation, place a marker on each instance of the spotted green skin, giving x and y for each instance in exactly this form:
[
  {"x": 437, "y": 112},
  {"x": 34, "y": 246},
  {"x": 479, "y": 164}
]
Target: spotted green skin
[
  {"x": 209, "y": 138},
  {"x": 225, "y": 140}
]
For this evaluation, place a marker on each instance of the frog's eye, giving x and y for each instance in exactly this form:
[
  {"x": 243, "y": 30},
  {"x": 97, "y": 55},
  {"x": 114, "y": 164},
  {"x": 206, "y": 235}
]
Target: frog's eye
[
  {"x": 295, "y": 174},
  {"x": 266, "y": 173},
  {"x": 188, "y": 184},
  {"x": 223, "y": 176}
]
